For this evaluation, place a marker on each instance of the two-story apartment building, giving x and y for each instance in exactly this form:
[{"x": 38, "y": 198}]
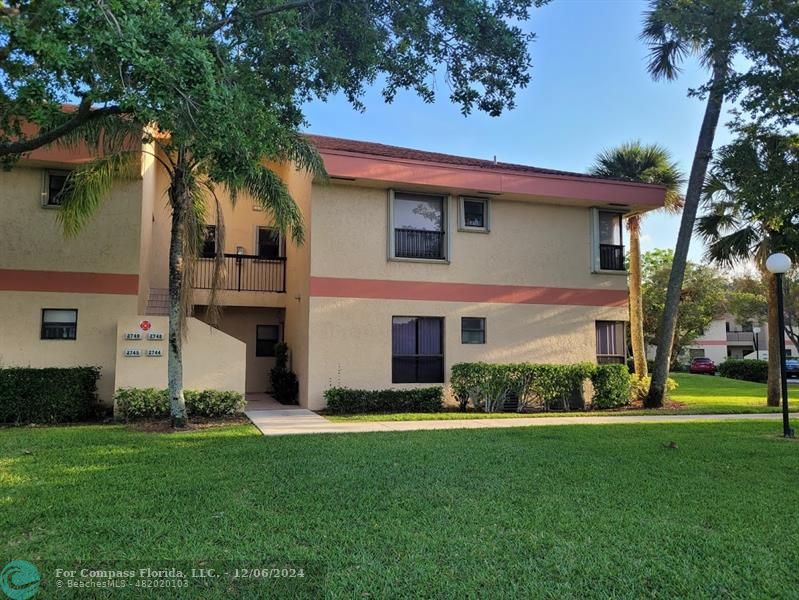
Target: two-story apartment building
[
  {"x": 413, "y": 261},
  {"x": 726, "y": 338}
]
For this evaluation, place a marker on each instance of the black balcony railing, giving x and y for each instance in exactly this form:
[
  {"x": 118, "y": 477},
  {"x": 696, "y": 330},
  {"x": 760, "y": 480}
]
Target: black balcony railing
[
  {"x": 418, "y": 243},
  {"x": 243, "y": 273},
  {"x": 611, "y": 257}
]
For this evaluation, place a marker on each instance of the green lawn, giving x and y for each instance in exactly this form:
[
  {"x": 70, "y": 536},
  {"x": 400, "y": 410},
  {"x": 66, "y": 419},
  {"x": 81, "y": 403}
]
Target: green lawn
[
  {"x": 579, "y": 511},
  {"x": 697, "y": 394}
]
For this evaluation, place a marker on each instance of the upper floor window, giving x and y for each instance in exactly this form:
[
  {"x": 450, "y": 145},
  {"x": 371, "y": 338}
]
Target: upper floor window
[
  {"x": 54, "y": 184},
  {"x": 418, "y": 224},
  {"x": 473, "y": 214},
  {"x": 269, "y": 243},
  {"x": 609, "y": 245},
  {"x": 59, "y": 324},
  {"x": 209, "y": 242},
  {"x": 611, "y": 346}
]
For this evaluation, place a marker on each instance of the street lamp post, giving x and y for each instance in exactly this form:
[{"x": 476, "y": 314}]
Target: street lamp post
[
  {"x": 778, "y": 264},
  {"x": 756, "y": 333}
]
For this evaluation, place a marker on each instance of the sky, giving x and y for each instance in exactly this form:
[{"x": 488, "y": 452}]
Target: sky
[{"x": 590, "y": 90}]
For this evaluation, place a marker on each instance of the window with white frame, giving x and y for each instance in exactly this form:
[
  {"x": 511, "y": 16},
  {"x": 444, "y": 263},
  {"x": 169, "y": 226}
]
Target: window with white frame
[
  {"x": 608, "y": 240},
  {"x": 418, "y": 226},
  {"x": 59, "y": 324},
  {"x": 473, "y": 214},
  {"x": 53, "y": 186},
  {"x": 611, "y": 346}
]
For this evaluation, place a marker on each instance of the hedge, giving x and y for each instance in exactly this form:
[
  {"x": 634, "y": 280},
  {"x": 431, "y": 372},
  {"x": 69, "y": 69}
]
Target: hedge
[
  {"x": 487, "y": 386},
  {"x": 611, "y": 386},
  {"x": 746, "y": 369},
  {"x": 51, "y": 395},
  {"x": 142, "y": 403},
  {"x": 342, "y": 400}
]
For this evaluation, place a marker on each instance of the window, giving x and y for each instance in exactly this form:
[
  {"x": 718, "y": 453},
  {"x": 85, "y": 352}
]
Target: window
[
  {"x": 610, "y": 343},
  {"x": 59, "y": 323},
  {"x": 54, "y": 183},
  {"x": 417, "y": 350},
  {"x": 696, "y": 353},
  {"x": 266, "y": 336},
  {"x": 473, "y": 330},
  {"x": 209, "y": 243},
  {"x": 473, "y": 214},
  {"x": 418, "y": 226},
  {"x": 609, "y": 247},
  {"x": 269, "y": 243}
]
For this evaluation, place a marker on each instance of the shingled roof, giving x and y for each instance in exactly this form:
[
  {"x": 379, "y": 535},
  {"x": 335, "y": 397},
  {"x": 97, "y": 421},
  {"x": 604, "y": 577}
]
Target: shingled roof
[{"x": 323, "y": 143}]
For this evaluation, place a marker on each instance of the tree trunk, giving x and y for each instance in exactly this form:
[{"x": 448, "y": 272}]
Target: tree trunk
[
  {"x": 704, "y": 151},
  {"x": 775, "y": 338},
  {"x": 178, "y": 202},
  {"x": 636, "y": 301}
]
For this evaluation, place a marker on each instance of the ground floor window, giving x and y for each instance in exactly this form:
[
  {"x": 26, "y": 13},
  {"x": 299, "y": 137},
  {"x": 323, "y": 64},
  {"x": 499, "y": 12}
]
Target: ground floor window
[
  {"x": 59, "y": 323},
  {"x": 473, "y": 330},
  {"x": 696, "y": 353},
  {"x": 417, "y": 350},
  {"x": 610, "y": 343},
  {"x": 266, "y": 336}
]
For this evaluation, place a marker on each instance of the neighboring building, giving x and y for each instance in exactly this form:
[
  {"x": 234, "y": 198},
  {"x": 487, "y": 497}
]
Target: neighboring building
[
  {"x": 414, "y": 261},
  {"x": 725, "y": 338}
]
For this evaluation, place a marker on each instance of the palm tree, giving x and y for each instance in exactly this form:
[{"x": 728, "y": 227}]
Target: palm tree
[
  {"x": 634, "y": 161},
  {"x": 193, "y": 181},
  {"x": 674, "y": 29},
  {"x": 752, "y": 200}
]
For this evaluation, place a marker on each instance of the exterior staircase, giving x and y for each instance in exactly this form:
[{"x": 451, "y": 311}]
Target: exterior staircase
[{"x": 158, "y": 302}]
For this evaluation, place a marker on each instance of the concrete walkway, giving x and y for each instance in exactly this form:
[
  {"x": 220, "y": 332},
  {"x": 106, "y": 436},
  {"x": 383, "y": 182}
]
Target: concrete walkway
[{"x": 295, "y": 420}]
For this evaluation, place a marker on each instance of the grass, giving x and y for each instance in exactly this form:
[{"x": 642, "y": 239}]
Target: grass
[
  {"x": 696, "y": 394},
  {"x": 581, "y": 511}
]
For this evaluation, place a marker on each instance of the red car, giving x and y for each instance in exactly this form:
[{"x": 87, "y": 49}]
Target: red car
[{"x": 702, "y": 366}]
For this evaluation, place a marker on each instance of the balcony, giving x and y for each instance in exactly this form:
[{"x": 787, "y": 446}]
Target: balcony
[
  {"x": 740, "y": 336},
  {"x": 611, "y": 257},
  {"x": 418, "y": 243},
  {"x": 243, "y": 273}
]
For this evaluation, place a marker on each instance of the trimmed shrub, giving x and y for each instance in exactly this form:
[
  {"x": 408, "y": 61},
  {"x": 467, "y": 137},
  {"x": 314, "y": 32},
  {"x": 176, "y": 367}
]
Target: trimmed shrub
[
  {"x": 285, "y": 387},
  {"x": 745, "y": 369},
  {"x": 489, "y": 386},
  {"x": 348, "y": 401},
  {"x": 150, "y": 403},
  {"x": 50, "y": 395},
  {"x": 213, "y": 403},
  {"x": 611, "y": 386}
]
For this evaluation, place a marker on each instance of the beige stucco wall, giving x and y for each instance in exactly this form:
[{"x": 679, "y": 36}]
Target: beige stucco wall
[
  {"x": 350, "y": 339},
  {"x": 31, "y": 238},
  {"x": 529, "y": 243},
  {"x": 241, "y": 323},
  {"x": 20, "y": 332},
  {"x": 211, "y": 358}
]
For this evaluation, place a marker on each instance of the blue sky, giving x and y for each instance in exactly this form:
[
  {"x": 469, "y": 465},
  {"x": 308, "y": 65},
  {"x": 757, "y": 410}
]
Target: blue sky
[{"x": 589, "y": 90}]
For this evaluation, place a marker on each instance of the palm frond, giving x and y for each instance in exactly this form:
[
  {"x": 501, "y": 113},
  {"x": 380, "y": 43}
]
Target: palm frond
[
  {"x": 90, "y": 184},
  {"x": 192, "y": 234},
  {"x": 106, "y": 135},
  {"x": 213, "y": 310},
  {"x": 295, "y": 148},
  {"x": 271, "y": 194},
  {"x": 666, "y": 50},
  {"x": 739, "y": 245}
]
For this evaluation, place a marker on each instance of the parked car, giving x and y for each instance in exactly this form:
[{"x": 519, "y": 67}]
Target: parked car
[
  {"x": 792, "y": 367},
  {"x": 702, "y": 366}
]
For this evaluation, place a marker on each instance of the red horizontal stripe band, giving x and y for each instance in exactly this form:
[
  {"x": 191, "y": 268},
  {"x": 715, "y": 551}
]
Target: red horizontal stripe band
[
  {"x": 17, "y": 280},
  {"x": 335, "y": 287}
]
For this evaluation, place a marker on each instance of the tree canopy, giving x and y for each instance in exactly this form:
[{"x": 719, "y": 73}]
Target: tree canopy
[
  {"x": 215, "y": 74},
  {"x": 702, "y": 298}
]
